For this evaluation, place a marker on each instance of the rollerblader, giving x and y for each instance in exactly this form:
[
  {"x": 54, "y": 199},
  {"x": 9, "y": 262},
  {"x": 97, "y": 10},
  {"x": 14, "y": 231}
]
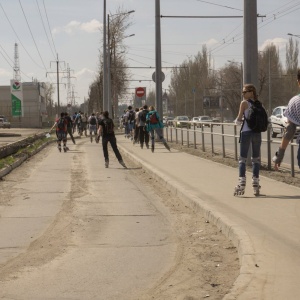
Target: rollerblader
[
  {"x": 93, "y": 124},
  {"x": 61, "y": 132},
  {"x": 248, "y": 137},
  {"x": 154, "y": 125},
  {"x": 106, "y": 130}
]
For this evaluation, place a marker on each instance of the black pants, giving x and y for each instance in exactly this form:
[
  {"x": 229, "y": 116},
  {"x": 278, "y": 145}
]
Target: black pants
[
  {"x": 144, "y": 135},
  {"x": 113, "y": 142},
  {"x": 70, "y": 129},
  {"x": 136, "y": 133}
]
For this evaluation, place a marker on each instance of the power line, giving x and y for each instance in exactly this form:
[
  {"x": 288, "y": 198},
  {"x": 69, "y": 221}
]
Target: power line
[
  {"x": 19, "y": 38},
  {"x": 32, "y": 36},
  {"x": 220, "y": 5},
  {"x": 49, "y": 26},
  {"x": 44, "y": 28}
]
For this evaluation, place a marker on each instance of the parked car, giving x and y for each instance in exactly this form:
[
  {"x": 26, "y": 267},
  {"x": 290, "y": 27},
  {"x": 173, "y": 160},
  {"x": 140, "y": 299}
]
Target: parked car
[
  {"x": 4, "y": 123},
  {"x": 216, "y": 120},
  {"x": 205, "y": 119},
  {"x": 279, "y": 121},
  {"x": 181, "y": 121},
  {"x": 167, "y": 120}
]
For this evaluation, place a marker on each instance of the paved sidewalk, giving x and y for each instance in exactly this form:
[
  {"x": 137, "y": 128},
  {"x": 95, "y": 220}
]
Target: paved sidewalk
[{"x": 265, "y": 229}]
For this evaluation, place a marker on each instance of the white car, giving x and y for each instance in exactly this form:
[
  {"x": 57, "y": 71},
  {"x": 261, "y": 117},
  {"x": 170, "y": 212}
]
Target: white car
[
  {"x": 279, "y": 121},
  {"x": 205, "y": 119},
  {"x": 4, "y": 123}
]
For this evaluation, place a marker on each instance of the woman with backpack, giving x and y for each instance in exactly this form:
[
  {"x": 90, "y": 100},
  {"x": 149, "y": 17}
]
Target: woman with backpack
[
  {"x": 248, "y": 137},
  {"x": 154, "y": 124}
]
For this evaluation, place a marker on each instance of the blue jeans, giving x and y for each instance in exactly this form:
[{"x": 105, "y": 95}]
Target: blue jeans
[{"x": 254, "y": 139}]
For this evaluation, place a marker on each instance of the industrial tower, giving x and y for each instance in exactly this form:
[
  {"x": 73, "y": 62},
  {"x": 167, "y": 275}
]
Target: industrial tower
[{"x": 17, "y": 74}]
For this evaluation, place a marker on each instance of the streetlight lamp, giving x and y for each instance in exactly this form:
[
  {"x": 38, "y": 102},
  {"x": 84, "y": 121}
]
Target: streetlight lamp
[{"x": 295, "y": 35}]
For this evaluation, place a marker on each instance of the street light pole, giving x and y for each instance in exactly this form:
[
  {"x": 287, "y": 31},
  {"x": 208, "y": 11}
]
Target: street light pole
[
  {"x": 105, "y": 83},
  {"x": 158, "y": 75}
]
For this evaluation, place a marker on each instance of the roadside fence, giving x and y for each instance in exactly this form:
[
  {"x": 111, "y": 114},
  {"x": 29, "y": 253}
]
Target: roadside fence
[{"x": 188, "y": 133}]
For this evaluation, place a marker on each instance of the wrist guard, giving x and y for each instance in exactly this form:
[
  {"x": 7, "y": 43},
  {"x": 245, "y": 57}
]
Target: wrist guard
[{"x": 278, "y": 157}]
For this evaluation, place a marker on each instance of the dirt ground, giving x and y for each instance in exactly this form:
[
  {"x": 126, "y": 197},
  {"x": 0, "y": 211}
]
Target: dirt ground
[
  {"x": 207, "y": 263},
  {"x": 282, "y": 175}
]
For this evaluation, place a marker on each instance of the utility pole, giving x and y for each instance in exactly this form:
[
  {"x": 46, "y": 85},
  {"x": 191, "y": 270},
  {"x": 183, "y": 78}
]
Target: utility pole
[
  {"x": 250, "y": 42},
  {"x": 57, "y": 80},
  {"x": 105, "y": 75},
  {"x": 158, "y": 73}
]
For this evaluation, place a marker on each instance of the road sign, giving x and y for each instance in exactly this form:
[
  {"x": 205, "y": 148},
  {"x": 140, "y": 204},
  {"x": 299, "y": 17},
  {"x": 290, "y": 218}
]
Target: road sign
[
  {"x": 140, "y": 92},
  {"x": 162, "y": 76}
]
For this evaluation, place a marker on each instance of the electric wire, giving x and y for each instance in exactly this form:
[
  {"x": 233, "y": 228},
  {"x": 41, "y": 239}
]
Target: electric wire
[
  {"x": 51, "y": 47},
  {"x": 220, "y": 5},
  {"x": 49, "y": 26},
  {"x": 32, "y": 35},
  {"x": 19, "y": 38}
]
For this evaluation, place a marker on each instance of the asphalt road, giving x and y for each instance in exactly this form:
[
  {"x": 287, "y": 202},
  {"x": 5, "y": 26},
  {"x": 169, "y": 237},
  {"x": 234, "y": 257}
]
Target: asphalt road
[
  {"x": 96, "y": 236},
  {"x": 11, "y": 135}
]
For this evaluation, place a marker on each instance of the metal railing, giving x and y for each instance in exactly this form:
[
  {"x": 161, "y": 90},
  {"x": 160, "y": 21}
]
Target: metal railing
[{"x": 196, "y": 128}]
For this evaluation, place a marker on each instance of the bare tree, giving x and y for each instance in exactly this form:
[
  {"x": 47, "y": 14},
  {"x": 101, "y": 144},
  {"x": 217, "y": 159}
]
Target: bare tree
[{"x": 119, "y": 23}]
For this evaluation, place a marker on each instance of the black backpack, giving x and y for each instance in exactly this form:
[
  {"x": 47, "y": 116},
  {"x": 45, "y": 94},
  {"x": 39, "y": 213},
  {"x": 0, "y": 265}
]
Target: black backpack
[
  {"x": 257, "y": 119},
  {"x": 93, "y": 120},
  {"x": 143, "y": 115},
  {"x": 131, "y": 116},
  {"x": 61, "y": 124},
  {"x": 108, "y": 126}
]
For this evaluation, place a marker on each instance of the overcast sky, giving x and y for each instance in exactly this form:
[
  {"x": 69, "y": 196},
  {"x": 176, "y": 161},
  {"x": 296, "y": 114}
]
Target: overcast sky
[{"x": 71, "y": 28}]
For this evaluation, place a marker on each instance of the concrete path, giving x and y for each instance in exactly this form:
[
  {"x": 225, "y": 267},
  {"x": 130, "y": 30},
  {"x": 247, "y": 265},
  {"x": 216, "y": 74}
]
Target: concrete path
[{"x": 265, "y": 229}]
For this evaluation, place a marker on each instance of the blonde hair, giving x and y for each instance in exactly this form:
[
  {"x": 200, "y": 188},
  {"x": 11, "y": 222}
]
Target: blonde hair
[
  {"x": 251, "y": 88},
  {"x": 151, "y": 107}
]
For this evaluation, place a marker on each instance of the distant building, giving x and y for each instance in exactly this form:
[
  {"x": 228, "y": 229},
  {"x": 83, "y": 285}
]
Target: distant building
[{"x": 34, "y": 105}]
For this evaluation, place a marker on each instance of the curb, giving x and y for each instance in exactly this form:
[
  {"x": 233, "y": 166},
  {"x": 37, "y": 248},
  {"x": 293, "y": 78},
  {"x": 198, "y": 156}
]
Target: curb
[
  {"x": 6, "y": 170},
  {"x": 231, "y": 230}
]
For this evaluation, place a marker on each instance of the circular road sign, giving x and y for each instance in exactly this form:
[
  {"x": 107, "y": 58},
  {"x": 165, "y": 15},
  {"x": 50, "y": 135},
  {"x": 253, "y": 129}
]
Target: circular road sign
[
  {"x": 162, "y": 76},
  {"x": 140, "y": 92}
]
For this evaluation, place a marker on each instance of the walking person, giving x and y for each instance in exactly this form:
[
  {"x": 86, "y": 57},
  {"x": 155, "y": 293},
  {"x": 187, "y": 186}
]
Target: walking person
[
  {"x": 61, "y": 131},
  {"x": 292, "y": 113},
  {"x": 70, "y": 127},
  {"x": 155, "y": 125},
  {"x": 248, "y": 138},
  {"x": 106, "y": 130},
  {"x": 141, "y": 124}
]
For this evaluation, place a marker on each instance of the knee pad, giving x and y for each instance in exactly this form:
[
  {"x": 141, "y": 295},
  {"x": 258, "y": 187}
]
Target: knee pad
[
  {"x": 255, "y": 160},
  {"x": 242, "y": 160},
  {"x": 289, "y": 131}
]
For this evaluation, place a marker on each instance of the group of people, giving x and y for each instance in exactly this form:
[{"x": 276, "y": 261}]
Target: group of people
[
  {"x": 141, "y": 125},
  {"x": 249, "y": 137},
  {"x": 101, "y": 125}
]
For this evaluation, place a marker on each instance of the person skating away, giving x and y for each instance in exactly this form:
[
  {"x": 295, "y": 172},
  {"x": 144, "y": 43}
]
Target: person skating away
[
  {"x": 106, "y": 130},
  {"x": 136, "y": 136},
  {"x": 154, "y": 125},
  {"x": 129, "y": 121},
  {"x": 248, "y": 138},
  {"x": 70, "y": 127},
  {"x": 141, "y": 124},
  {"x": 93, "y": 125},
  {"x": 61, "y": 131},
  {"x": 292, "y": 113},
  {"x": 84, "y": 123}
]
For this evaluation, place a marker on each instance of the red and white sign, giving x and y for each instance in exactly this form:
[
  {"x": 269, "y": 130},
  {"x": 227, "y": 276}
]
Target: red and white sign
[{"x": 140, "y": 92}]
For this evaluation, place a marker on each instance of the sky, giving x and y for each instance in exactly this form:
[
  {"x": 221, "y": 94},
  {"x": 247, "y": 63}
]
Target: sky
[{"x": 72, "y": 30}]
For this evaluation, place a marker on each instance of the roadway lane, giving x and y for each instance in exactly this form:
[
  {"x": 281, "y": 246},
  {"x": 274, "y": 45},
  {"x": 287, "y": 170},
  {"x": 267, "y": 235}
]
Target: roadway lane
[
  {"x": 71, "y": 229},
  {"x": 11, "y": 135}
]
